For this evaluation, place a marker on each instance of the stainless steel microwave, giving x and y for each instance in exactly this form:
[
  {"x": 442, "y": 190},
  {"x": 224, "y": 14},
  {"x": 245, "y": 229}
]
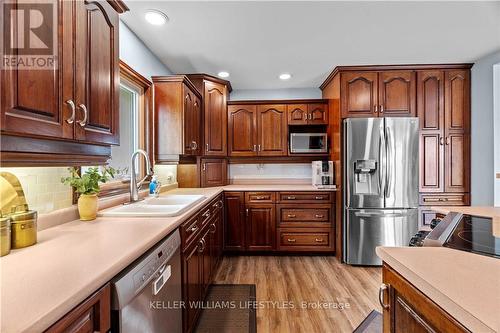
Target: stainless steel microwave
[{"x": 308, "y": 143}]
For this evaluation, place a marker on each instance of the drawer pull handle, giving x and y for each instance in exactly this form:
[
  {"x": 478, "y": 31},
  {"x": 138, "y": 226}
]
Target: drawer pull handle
[
  {"x": 381, "y": 291},
  {"x": 291, "y": 240},
  {"x": 206, "y": 215},
  {"x": 213, "y": 227},
  {"x": 261, "y": 197},
  {"x": 193, "y": 229},
  {"x": 290, "y": 198},
  {"x": 292, "y": 215},
  {"x": 319, "y": 198},
  {"x": 319, "y": 240},
  {"x": 318, "y": 216}
]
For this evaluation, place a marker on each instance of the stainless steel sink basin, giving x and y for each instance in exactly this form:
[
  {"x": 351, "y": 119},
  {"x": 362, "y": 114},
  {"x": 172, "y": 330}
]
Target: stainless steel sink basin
[{"x": 165, "y": 206}]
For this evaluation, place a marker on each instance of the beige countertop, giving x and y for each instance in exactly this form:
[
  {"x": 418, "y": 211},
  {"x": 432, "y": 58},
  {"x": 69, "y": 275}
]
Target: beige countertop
[
  {"x": 40, "y": 284},
  {"x": 471, "y": 210},
  {"x": 465, "y": 285}
]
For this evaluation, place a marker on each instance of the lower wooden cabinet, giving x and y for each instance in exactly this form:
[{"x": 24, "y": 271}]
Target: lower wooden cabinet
[
  {"x": 406, "y": 309},
  {"x": 93, "y": 315},
  {"x": 279, "y": 221},
  {"x": 201, "y": 239},
  {"x": 260, "y": 227},
  {"x": 213, "y": 172}
]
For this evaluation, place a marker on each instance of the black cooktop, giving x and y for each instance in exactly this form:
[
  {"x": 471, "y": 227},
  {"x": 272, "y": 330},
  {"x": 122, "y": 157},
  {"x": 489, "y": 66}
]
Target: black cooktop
[{"x": 475, "y": 234}]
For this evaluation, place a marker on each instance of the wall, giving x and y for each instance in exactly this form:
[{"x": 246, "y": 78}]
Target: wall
[
  {"x": 137, "y": 55},
  {"x": 482, "y": 136},
  {"x": 254, "y": 172},
  {"x": 295, "y": 93},
  {"x": 496, "y": 131}
]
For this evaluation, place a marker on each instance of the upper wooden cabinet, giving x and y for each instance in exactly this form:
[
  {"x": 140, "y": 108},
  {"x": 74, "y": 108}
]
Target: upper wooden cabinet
[
  {"x": 77, "y": 99},
  {"x": 257, "y": 130},
  {"x": 215, "y": 93},
  {"x": 177, "y": 105},
  {"x": 242, "y": 130},
  {"x": 307, "y": 114},
  {"x": 272, "y": 131},
  {"x": 377, "y": 94},
  {"x": 444, "y": 113}
]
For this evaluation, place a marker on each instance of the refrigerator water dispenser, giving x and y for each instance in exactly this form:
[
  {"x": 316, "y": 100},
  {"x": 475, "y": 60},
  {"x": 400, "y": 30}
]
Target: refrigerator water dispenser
[{"x": 364, "y": 171}]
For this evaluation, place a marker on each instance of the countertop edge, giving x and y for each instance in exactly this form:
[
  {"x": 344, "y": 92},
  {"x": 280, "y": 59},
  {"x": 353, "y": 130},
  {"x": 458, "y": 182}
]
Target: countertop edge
[{"x": 445, "y": 303}]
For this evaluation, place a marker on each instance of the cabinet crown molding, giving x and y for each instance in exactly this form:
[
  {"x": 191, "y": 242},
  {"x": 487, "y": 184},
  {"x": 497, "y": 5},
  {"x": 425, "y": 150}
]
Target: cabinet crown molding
[
  {"x": 178, "y": 78},
  {"x": 211, "y": 78},
  {"x": 359, "y": 68}
]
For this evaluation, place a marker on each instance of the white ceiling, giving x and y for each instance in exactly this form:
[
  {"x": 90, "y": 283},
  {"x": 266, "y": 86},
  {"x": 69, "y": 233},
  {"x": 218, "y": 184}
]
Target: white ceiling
[{"x": 256, "y": 41}]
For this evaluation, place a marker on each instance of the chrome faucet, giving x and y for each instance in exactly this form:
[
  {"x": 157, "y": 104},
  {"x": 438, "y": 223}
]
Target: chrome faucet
[{"x": 134, "y": 186}]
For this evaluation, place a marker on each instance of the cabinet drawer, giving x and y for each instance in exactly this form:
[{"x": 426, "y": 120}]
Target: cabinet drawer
[
  {"x": 216, "y": 205},
  {"x": 305, "y": 197},
  {"x": 306, "y": 239},
  {"x": 260, "y": 197},
  {"x": 205, "y": 215},
  {"x": 304, "y": 215},
  {"x": 459, "y": 199},
  {"x": 189, "y": 230}
]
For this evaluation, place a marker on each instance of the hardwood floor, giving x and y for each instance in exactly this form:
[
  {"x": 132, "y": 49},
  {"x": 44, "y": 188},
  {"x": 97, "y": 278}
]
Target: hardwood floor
[{"x": 293, "y": 280}]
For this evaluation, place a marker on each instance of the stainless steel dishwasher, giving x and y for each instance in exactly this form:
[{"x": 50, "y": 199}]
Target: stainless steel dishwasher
[{"x": 146, "y": 295}]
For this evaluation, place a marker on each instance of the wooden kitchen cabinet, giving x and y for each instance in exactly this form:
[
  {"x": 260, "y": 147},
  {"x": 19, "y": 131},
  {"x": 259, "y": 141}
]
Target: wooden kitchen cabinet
[
  {"x": 242, "y": 130},
  {"x": 378, "y": 94},
  {"x": 92, "y": 315},
  {"x": 77, "y": 101},
  {"x": 177, "y": 105},
  {"x": 257, "y": 130},
  {"x": 444, "y": 114},
  {"x": 234, "y": 221},
  {"x": 307, "y": 114},
  {"x": 407, "y": 309},
  {"x": 201, "y": 239},
  {"x": 359, "y": 97},
  {"x": 213, "y": 172},
  {"x": 260, "y": 227}
]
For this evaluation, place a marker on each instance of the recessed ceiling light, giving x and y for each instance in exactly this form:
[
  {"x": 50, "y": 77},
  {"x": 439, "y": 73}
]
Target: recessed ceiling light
[
  {"x": 155, "y": 17},
  {"x": 223, "y": 74},
  {"x": 285, "y": 76}
]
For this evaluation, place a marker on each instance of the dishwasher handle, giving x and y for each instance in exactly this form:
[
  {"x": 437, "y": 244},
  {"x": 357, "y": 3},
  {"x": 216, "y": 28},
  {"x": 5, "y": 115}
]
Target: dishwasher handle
[{"x": 164, "y": 274}]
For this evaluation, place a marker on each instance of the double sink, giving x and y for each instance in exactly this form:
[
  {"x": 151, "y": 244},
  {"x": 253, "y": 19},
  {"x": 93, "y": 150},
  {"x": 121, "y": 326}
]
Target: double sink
[{"x": 164, "y": 206}]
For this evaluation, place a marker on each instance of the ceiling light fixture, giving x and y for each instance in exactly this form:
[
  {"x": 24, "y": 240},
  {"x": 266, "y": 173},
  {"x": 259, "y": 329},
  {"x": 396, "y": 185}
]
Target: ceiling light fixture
[
  {"x": 155, "y": 17},
  {"x": 285, "y": 76},
  {"x": 223, "y": 74}
]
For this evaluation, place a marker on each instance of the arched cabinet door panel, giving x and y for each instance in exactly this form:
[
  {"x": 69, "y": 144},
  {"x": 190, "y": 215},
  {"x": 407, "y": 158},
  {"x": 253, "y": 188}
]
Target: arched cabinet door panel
[
  {"x": 397, "y": 94},
  {"x": 359, "y": 97},
  {"x": 272, "y": 130},
  {"x": 97, "y": 72},
  {"x": 242, "y": 132},
  {"x": 215, "y": 96}
]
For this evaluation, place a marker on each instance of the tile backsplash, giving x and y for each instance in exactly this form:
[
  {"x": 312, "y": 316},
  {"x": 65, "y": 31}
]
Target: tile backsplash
[
  {"x": 270, "y": 171},
  {"x": 43, "y": 188}
]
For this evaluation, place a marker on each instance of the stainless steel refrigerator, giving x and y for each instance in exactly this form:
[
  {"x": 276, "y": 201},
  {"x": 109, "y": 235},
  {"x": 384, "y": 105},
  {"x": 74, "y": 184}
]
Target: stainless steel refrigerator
[{"x": 380, "y": 186}]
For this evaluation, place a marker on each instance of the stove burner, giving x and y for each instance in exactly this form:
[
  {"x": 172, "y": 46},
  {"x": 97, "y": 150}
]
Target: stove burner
[{"x": 467, "y": 236}]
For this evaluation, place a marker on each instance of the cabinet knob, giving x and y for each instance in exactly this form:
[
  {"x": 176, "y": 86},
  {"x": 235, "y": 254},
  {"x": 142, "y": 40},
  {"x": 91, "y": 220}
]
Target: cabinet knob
[
  {"x": 447, "y": 140},
  {"x": 71, "y": 104},
  {"x": 83, "y": 122},
  {"x": 441, "y": 141},
  {"x": 381, "y": 292},
  {"x": 193, "y": 229}
]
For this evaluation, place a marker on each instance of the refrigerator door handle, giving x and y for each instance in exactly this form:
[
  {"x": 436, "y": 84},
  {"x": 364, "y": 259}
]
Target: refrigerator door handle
[
  {"x": 382, "y": 161},
  {"x": 388, "y": 174}
]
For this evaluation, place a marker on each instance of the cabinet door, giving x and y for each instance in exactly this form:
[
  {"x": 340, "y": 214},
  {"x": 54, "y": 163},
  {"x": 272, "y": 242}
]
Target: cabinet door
[
  {"x": 34, "y": 102},
  {"x": 430, "y": 106},
  {"x": 242, "y": 132},
  {"x": 272, "y": 130},
  {"x": 397, "y": 94},
  {"x": 215, "y": 96},
  {"x": 97, "y": 72},
  {"x": 196, "y": 127},
  {"x": 206, "y": 261},
  {"x": 213, "y": 172},
  {"x": 234, "y": 221},
  {"x": 188, "y": 109},
  {"x": 457, "y": 131},
  {"x": 359, "y": 94},
  {"x": 191, "y": 283},
  {"x": 317, "y": 114},
  {"x": 260, "y": 227},
  {"x": 297, "y": 114}
]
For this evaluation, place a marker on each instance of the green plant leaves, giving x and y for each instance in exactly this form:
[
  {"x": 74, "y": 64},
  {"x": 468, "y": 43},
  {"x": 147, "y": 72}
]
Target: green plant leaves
[{"x": 88, "y": 183}]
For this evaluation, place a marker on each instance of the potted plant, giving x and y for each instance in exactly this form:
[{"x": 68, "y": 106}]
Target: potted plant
[{"x": 87, "y": 185}]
